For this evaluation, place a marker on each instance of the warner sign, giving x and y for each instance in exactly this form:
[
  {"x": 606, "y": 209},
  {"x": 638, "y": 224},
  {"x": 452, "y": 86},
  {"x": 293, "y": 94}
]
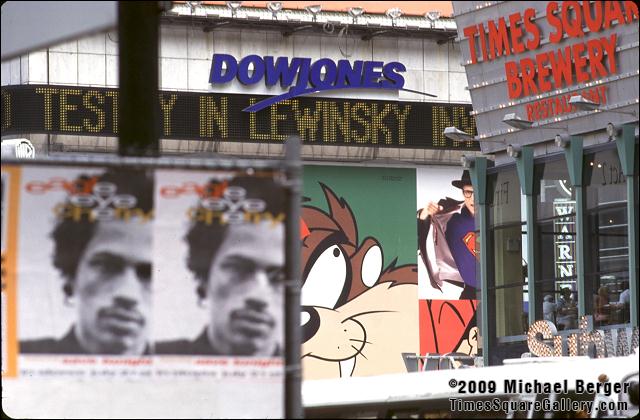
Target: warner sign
[{"x": 304, "y": 77}]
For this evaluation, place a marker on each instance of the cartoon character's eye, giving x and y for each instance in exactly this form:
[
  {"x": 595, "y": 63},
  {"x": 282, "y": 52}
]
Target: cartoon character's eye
[
  {"x": 372, "y": 266},
  {"x": 326, "y": 279}
]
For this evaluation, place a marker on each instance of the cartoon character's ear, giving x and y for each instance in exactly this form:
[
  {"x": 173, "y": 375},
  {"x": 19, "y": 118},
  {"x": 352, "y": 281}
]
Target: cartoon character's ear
[
  {"x": 342, "y": 214},
  {"x": 474, "y": 340}
]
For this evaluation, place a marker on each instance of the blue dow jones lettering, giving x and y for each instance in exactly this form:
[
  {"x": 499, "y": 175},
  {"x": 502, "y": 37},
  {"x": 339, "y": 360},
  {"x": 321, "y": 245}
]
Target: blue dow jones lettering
[{"x": 302, "y": 76}]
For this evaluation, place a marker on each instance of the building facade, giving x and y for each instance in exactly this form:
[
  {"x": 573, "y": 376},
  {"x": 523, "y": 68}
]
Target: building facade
[{"x": 554, "y": 87}]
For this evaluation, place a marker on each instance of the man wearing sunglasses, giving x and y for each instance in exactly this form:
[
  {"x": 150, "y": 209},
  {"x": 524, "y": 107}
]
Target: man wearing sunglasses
[{"x": 456, "y": 262}]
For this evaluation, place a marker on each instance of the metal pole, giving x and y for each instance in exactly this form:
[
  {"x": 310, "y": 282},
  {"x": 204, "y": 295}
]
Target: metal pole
[
  {"x": 524, "y": 165},
  {"x": 531, "y": 258},
  {"x": 479, "y": 180},
  {"x": 138, "y": 105},
  {"x": 293, "y": 370}
]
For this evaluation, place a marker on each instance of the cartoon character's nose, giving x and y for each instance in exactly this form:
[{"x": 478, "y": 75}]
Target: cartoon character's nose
[{"x": 310, "y": 322}]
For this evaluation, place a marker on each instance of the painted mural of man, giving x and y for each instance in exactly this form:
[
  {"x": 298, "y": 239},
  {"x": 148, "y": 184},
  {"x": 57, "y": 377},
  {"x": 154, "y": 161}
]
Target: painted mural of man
[{"x": 454, "y": 261}]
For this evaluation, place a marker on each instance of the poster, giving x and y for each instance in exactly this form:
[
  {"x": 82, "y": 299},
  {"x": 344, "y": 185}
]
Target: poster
[
  {"x": 165, "y": 284},
  {"x": 447, "y": 260},
  {"x": 359, "y": 297}
]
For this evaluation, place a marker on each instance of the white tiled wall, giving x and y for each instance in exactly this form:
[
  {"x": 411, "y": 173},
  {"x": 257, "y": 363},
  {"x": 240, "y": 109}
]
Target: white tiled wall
[
  {"x": 185, "y": 60},
  {"x": 199, "y": 44},
  {"x": 173, "y": 73},
  {"x": 173, "y": 42},
  {"x": 63, "y": 68},
  {"x": 92, "y": 69}
]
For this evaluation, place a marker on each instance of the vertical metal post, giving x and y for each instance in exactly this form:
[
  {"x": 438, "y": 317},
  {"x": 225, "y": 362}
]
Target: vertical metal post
[
  {"x": 138, "y": 105},
  {"x": 479, "y": 180},
  {"x": 626, "y": 152},
  {"x": 524, "y": 165},
  {"x": 574, "y": 156},
  {"x": 293, "y": 341}
]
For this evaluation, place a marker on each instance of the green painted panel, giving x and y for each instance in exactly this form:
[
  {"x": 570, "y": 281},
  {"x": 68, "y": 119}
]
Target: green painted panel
[{"x": 383, "y": 202}]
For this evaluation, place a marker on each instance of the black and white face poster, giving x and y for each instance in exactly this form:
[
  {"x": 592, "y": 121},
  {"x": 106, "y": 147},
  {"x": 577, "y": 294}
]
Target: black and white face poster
[{"x": 161, "y": 290}]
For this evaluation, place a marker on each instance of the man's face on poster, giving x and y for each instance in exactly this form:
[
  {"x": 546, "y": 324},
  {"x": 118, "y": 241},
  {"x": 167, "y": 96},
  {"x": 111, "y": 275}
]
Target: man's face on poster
[
  {"x": 245, "y": 290},
  {"x": 113, "y": 288},
  {"x": 467, "y": 192}
]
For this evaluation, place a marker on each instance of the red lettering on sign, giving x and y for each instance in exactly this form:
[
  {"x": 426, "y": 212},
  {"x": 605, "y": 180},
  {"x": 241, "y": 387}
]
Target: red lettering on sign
[
  {"x": 470, "y": 32},
  {"x": 532, "y": 29},
  {"x": 554, "y": 21}
]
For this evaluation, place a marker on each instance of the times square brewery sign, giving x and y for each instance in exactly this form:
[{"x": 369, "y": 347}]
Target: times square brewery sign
[{"x": 576, "y": 61}]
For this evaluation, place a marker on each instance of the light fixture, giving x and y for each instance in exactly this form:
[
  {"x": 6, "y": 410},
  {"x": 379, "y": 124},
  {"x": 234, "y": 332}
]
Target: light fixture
[
  {"x": 193, "y": 5},
  {"x": 234, "y": 6},
  {"x": 355, "y": 12},
  {"x": 582, "y": 103},
  {"x": 513, "y": 151},
  {"x": 613, "y": 130},
  {"x": 562, "y": 141},
  {"x": 433, "y": 15},
  {"x": 275, "y": 7},
  {"x": 516, "y": 121},
  {"x": 467, "y": 162},
  {"x": 454, "y": 133},
  {"x": 394, "y": 13},
  {"x": 314, "y": 9}
]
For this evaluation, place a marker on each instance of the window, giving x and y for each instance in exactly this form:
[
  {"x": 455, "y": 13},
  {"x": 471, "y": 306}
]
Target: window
[
  {"x": 507, "y": 240},
  {"x": 556, "y": 287},
  {"x": 607, "y": 247}
]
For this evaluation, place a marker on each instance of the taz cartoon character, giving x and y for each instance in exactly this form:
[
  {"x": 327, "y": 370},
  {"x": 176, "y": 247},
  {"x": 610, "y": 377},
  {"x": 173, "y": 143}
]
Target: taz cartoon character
[
  {"x": 449, "y": 327},
  {"x": 357, "y": 317}
]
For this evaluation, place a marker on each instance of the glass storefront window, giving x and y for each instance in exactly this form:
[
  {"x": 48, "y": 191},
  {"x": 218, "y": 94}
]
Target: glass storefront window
[
  {"x": 607, "y": 248},
  {"x": 507, "y": 278},
  {"x": 556, "y": 290}
]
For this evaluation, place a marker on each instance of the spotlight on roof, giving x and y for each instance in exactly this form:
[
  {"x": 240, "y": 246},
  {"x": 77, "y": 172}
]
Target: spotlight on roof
[
  {"x": 194, "y": 5},
  {"x": 234, "y": 6},
  {"x": 433, "y": 15},
  {"x": 314, "y": 9},
  {"x": 394, "y": 13},
  {"x": 274, "y": 6},
  {"x": 355, "y": 12}
]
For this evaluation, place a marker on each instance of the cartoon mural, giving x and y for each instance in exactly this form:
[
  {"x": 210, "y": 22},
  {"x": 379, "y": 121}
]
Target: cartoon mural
[
  {"x": 359, "y": 314},
  {"x": 449, "y": 327},
  {"x": 371, "y": 290}
]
